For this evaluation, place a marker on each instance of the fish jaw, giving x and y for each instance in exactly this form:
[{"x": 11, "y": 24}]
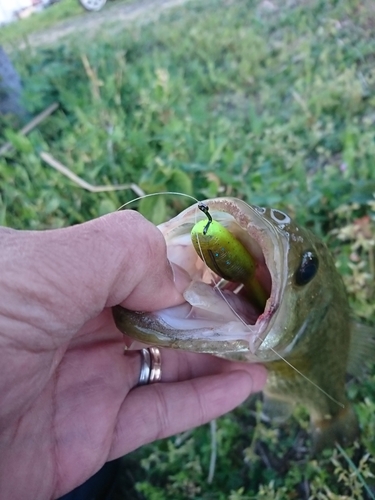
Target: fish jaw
[{"x": 216, "y": 318}]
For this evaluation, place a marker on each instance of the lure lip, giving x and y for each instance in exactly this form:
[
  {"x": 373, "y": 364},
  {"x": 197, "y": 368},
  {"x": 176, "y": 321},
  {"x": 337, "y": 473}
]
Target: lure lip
[{"x": 268, "y": 242}]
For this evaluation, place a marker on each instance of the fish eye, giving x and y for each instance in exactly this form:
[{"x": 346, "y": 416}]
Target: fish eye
[{"x": 307, "y": 269}]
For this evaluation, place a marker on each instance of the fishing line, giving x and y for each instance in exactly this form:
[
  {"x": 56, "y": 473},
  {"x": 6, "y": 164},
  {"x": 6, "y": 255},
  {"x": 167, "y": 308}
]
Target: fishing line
[
  {"x": 216, "y": 286},
  {"x": 157, "y": 194},
  {"x": 276, "y": 353},
  {"x": 279, "y": 355}
]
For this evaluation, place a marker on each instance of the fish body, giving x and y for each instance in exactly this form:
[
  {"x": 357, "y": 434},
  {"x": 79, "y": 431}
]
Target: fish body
[{"x": 303, "y": 331}]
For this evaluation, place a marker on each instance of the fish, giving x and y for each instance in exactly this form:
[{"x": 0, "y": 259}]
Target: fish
[{"x": 286, "y": 307}]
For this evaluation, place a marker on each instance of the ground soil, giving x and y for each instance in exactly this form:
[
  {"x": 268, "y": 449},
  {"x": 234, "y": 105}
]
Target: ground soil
[{"x": 118, "y": 15}]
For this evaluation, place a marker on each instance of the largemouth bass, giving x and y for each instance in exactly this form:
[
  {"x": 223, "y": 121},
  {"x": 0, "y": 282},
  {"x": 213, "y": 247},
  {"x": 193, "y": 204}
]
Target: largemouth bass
[{"x": 291, "y": 314}]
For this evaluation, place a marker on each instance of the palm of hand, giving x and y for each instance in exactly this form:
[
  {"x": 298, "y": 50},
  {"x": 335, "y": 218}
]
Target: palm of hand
[{"x": 68, "y": 425}]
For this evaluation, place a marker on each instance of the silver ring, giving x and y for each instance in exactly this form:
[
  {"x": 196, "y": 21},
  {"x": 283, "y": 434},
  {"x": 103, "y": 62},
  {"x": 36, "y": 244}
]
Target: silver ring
[{"x": 150, "y": 366}]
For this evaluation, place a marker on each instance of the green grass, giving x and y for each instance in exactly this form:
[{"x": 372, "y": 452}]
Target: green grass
[{"x": 220, "y": 98}]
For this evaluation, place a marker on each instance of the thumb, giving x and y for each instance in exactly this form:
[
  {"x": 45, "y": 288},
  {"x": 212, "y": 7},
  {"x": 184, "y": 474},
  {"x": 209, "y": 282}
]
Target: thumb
[{"x": 67, "y": 276}]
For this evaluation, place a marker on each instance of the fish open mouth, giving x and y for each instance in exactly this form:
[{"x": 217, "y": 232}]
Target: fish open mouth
[{"x": 219, "y": 314}]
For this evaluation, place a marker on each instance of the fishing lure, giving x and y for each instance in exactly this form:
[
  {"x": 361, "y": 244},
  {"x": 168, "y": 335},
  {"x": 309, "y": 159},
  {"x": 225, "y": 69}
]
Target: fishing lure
[{"x": 226, "y": 256}]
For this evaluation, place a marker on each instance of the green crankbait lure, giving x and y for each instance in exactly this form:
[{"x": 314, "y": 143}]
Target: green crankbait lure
[{"x": 226, "y": 256}]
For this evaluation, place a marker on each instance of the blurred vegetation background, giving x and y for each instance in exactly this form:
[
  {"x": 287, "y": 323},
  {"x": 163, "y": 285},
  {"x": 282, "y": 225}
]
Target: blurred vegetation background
[{"x": 269, "y": 101}]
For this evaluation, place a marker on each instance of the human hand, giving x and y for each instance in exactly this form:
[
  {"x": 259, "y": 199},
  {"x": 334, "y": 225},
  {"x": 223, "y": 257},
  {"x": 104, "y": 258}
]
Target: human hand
[{"x": 69, "y": 400}]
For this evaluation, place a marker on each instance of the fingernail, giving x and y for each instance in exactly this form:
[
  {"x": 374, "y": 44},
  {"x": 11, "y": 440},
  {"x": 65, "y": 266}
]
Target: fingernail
[{"x": 180, "y": 277}]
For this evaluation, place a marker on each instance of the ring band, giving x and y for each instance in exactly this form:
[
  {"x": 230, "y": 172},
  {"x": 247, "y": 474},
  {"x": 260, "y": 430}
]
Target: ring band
[
  {"x": 155, "y": 375},
  {"x": 145, "y": 367},
  {"x": 150, "y": 366}
]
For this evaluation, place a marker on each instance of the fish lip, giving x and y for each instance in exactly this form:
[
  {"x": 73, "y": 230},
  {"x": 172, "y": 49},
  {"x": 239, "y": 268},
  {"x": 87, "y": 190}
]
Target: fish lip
[{"x": 271, "y": 240}]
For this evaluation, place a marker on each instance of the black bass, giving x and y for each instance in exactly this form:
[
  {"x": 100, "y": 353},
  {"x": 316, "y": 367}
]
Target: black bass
[{"x": 283, "y": 305}]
